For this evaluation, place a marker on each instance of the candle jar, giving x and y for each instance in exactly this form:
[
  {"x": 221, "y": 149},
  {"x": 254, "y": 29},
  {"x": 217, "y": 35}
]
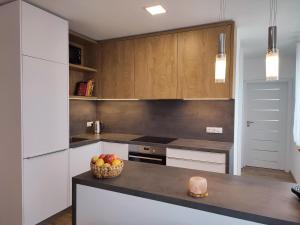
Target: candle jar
[{"x": 198, "y": 187}]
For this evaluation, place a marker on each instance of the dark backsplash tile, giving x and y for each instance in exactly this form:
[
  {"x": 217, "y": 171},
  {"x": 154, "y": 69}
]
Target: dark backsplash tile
[
  {"x": 168, "y": 118},
  {"x": 80, "y": 113}
]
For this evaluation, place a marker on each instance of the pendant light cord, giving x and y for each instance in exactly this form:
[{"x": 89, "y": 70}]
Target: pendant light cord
[
  {"x": 222, "y": 10},
  {"x": 273, "y": 12}
]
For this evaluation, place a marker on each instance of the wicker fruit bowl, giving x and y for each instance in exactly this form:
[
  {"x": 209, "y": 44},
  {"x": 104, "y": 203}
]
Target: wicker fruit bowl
[{"x": 106, "y": 166}]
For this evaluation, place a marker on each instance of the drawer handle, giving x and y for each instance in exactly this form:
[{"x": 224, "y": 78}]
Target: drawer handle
[
  {"x": 142, "y": 157},
  {"x": 193, "y": 160}
]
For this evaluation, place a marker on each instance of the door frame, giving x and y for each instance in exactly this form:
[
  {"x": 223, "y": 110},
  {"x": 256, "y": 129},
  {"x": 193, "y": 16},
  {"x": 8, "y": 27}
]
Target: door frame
[{"x": 289, "y": 82}]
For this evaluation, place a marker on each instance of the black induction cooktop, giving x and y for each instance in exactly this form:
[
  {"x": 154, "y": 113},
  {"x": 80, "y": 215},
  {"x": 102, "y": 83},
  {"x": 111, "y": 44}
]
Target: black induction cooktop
[{"x": 160, "y": 140}]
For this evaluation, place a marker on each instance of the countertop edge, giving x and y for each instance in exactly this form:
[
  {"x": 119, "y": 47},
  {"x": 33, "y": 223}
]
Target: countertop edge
[
  {"x": 180, "y": 202},
  {"x": 92, "y": 141}
]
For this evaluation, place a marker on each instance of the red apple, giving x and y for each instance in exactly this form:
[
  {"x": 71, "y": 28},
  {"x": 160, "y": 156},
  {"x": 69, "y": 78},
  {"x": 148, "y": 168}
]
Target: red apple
[
  {"x": 109, "y": 158},
  {"x": 102, "y": 156},
  {"x": 106, "y": 158}
]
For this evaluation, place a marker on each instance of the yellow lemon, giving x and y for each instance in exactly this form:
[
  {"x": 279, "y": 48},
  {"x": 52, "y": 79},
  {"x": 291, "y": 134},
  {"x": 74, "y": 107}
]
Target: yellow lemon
[
  {"x": 100, "y": 162},
  {"x": 116, "y": 162}
]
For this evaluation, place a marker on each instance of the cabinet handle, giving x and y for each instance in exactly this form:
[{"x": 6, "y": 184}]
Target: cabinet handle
[
  {"x": 49, "y": 153},
  {"x": 193, "y": 160},
  {"x": 142, "y": 157}
]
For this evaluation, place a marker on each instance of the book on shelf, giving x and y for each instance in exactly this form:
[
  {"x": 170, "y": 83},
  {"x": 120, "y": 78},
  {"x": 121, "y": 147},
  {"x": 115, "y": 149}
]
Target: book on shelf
[{"x": 85, "y": 88}]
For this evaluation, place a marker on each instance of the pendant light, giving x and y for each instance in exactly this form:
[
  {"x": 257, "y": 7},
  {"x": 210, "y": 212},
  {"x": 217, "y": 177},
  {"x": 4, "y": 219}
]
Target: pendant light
[
  {"x": 220, "y": 64},
  {"x": 272, "y": 56}
]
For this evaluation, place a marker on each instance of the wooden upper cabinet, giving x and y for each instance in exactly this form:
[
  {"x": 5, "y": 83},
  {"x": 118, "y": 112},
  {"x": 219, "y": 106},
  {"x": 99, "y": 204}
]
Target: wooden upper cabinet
[
  {"x": 197, "y": 51},
  {"x": 176, "y": 64},
  {"x": 117, "y": 70},
  {"x": 156, "y": 67}
]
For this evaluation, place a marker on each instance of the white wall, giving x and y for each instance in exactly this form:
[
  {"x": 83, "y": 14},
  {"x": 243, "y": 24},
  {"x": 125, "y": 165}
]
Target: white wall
[
  {"x": 295, "y": 154},
  {"x": 238, "y": 115},
  {"x": 255, "y": 69}
]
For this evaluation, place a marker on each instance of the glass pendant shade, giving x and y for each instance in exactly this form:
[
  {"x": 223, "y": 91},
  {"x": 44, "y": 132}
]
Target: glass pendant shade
[
  {"x": 272, "y": 65},
  {"x": 272, "y": 56},
  {"x": 220, "y": 64},
  {"x": 220, "y": 68}
]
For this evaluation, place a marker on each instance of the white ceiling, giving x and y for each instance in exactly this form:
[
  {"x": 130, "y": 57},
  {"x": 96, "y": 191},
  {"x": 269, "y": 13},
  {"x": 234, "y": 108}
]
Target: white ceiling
[{"x": 104, "y": 19}]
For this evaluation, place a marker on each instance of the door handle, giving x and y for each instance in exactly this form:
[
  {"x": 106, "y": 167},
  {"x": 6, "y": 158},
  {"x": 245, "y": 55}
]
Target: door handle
[{"x": 249, "y": 123}]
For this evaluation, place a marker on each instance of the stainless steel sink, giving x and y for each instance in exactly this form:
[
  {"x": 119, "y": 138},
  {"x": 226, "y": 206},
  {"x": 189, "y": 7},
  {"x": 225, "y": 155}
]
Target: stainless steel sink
[{"x": 77, "y": 139}]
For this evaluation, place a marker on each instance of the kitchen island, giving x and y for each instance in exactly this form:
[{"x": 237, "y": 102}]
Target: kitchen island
[{"x": 152, "y": 194}]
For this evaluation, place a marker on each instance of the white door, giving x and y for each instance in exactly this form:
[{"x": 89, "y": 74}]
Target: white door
[
  {"x": 45, "y": 186},
  {"x": 44, "y": 107},
  {"x": 266, "y": 125},
  {"x": 80, "y": 159},
  {"x": 44, "y": 35}
]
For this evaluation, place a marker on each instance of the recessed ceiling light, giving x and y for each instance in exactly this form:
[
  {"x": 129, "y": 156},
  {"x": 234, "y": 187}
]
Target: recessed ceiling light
[{"x": 156, "y": 9}]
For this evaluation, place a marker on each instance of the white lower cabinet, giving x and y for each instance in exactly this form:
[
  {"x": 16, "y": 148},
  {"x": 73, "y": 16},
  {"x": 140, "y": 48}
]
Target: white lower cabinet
[
  {"x": 121, "y": 150},
  {"x": 198, "y": 160},
  {"x": 80, "y": 158},
  {"x": 45, "y": 186}
]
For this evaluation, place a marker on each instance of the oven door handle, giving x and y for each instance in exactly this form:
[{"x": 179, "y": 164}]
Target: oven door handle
[{"x": 143, "y": 157}]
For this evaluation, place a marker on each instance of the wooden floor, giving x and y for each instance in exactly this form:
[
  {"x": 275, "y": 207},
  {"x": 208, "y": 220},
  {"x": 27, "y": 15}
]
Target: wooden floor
[
  {"x": 65, "y": 218},
  {"x": 278, "y": 175}
]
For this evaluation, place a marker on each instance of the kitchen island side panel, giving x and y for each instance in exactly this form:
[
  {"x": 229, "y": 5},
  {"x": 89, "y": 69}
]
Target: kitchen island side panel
[{"x": 98, "y": 206}]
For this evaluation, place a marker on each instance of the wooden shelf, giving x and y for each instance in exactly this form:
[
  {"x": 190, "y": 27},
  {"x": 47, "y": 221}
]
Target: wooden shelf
[
  {"x": 81, "y": 39},
  {"x": 82, "y": 68},
  {"x": 74, "y": 97}
]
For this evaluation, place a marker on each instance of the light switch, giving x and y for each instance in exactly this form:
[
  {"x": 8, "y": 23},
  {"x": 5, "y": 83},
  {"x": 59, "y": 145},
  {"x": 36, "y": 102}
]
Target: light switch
[{"x": 214, "y": 130}]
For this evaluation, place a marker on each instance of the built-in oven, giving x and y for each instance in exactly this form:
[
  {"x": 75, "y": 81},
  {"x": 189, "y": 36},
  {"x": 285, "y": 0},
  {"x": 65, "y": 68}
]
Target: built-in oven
[{"x": 147, "y": 154}]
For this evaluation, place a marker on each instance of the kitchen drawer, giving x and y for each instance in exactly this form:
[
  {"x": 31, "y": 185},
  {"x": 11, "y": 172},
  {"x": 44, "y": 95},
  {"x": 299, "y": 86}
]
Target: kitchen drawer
[
  {"x": 197, "y": 155},
  {"x": 121, "y": 150},
  {"x": 197, "y": 165}
]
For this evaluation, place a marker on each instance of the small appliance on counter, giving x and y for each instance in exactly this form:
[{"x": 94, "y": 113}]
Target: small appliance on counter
[{"x": 98, "y": 127}]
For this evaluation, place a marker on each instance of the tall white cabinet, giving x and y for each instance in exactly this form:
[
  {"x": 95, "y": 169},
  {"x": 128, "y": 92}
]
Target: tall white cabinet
[
  {"x": 44, "y": 106},
  {"x": 44, "y": 35},
  {"x": 36, "y": 42}
]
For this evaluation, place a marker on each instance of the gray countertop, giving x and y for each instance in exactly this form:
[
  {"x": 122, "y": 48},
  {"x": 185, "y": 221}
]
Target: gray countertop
[
  {"x": 248, "y": 198},
  {"x": 180, "y": 143}
]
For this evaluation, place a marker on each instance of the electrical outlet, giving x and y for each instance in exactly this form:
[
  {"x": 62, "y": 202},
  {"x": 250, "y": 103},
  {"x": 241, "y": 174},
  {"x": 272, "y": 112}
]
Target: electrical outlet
[
  {"x": 219, "y": 130},
  {"x": 89, "y": 124},
  {"x": 214, "y": 130}
]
